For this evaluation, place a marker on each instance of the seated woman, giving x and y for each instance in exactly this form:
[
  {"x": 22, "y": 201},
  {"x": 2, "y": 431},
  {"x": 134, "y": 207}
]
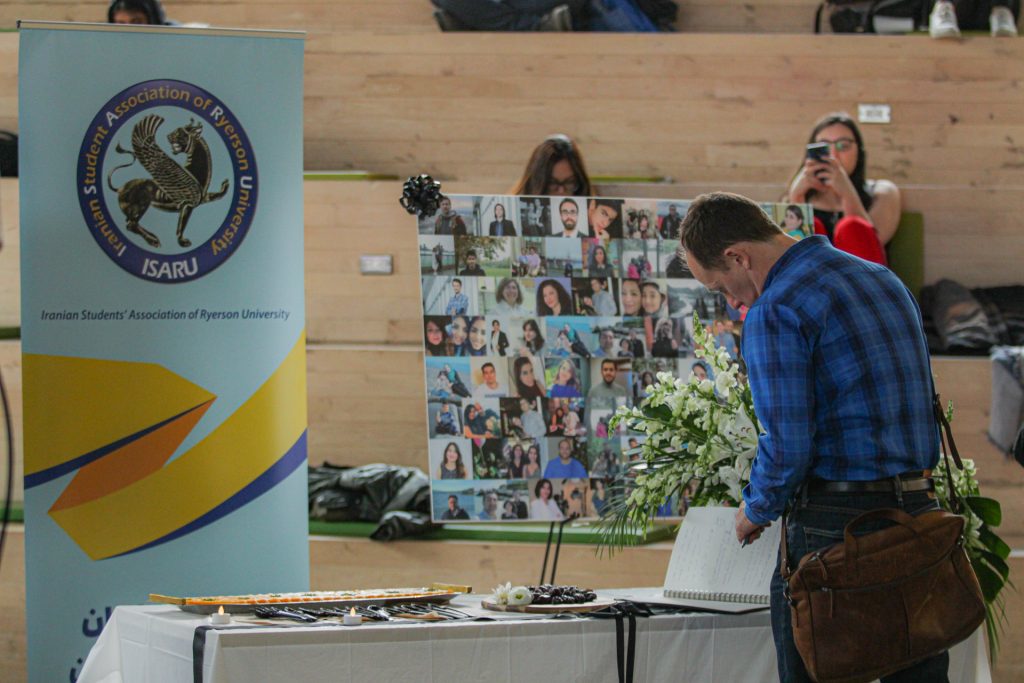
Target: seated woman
[
  {"x": 555, "y": 168},
  {"x": 859, "y": 216}
]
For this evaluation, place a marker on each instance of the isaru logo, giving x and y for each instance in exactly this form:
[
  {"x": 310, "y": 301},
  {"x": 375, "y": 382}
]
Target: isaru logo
[{"x": 167, "y": 208}]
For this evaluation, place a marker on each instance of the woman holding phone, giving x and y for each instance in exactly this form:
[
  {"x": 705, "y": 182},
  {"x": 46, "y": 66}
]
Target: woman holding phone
[{"x": 859, "y": 216}]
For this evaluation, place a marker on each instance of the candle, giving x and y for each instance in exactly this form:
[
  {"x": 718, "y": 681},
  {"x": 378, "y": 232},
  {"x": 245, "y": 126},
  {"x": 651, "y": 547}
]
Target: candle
[
  {"x": 352, "y": 619},
  {"x": 220, "y": 617}
]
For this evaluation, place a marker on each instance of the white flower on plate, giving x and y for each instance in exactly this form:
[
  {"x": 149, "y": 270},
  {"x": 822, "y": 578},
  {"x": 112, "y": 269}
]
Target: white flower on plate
[
  {"x": 520, "y": 595},
  {"x": 501, "y": 594}
]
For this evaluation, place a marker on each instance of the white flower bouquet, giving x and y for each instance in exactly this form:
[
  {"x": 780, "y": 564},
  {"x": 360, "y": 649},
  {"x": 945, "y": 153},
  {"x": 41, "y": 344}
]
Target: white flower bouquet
[{"x": 701, "y": 436}]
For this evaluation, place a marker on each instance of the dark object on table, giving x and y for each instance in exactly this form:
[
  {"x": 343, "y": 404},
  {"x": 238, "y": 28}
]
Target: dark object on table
[{"x": 421, "y": 195}]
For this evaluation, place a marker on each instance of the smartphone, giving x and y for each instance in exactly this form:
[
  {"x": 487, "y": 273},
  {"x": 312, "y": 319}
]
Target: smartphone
[{"x": 819, "y": 151}]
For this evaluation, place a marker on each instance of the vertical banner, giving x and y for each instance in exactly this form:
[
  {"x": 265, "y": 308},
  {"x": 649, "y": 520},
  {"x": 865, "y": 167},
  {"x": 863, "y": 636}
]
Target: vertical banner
[
  {"x": 162, "y": 321},
  {"x": 542, "y": 316}
]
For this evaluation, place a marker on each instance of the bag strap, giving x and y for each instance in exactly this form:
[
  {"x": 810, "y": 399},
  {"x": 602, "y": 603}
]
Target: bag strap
[
  {"x": 948, "y": 447},
  {"x": 817, "y": 16}
]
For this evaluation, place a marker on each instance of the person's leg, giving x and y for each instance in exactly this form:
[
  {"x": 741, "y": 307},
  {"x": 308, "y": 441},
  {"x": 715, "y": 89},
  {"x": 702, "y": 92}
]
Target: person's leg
[
  {"x": 856, "y": 236},
  {"x": 932, "y": 670},
  {"x": 790, "y": 665}
]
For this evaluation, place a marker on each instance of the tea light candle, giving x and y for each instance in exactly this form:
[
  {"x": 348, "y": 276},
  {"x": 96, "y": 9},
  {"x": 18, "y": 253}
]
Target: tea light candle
[
  {"x": 220, "y": 617},
  {"x": 352, "y": 619}
]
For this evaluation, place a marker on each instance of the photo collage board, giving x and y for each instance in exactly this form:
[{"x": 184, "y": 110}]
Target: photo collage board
[{"x": 541, "y": 317}]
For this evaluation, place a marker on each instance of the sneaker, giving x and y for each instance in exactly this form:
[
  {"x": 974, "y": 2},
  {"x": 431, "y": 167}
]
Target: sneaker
[
  {"x": 447, "y": 22},
  {"x": 942, "y": 21},
  {"x": 1002, "y": 23},
  {"x": 558, "y": 19}
]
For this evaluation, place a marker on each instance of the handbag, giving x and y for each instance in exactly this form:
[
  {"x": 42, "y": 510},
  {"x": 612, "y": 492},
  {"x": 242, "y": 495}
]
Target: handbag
[{"x": 877, "y": 603}]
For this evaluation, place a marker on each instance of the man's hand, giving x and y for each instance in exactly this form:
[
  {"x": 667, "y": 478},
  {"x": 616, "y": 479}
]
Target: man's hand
[{"x": 747, "y": 531}]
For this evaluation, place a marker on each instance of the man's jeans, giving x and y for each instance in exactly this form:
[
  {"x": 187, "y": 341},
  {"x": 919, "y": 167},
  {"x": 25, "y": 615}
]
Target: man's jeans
[{"x": 815, "y": 521}]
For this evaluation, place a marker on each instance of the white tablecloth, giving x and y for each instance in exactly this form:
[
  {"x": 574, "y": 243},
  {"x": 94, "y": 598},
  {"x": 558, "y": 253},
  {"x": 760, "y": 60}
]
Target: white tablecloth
[{"x": 154, "y": 644}]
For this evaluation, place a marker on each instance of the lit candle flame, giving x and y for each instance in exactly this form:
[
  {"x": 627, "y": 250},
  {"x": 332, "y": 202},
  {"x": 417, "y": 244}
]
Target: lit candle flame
[
  {"x": 352, "y": 612},
  {"x": 220, "y": 610}
]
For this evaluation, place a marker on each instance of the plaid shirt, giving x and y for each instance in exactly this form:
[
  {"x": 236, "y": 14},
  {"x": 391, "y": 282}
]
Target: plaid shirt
[{"x": 840, "y": 375}]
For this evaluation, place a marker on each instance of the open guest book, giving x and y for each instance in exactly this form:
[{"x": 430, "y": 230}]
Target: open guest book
[{"x": 710, "y": 570}]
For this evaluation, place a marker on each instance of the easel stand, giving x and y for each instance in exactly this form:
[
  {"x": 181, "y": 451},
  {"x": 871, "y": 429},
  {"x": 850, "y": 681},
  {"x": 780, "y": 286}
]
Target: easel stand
[{"x": 547, "y": 550}]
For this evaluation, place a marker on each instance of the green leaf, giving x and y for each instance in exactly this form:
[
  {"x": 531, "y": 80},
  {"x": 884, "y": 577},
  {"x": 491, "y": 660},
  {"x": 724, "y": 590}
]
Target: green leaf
[
  {"x": 991, "y": 583},
  {"x": 993, "y": 542},
  {"x": 987, "y": 508},
  {"x": 996, "y": 563}
]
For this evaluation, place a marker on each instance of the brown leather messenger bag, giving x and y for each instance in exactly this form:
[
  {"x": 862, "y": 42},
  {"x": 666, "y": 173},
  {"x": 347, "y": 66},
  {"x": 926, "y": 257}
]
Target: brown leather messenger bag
[{"x": 879, "y": 602}]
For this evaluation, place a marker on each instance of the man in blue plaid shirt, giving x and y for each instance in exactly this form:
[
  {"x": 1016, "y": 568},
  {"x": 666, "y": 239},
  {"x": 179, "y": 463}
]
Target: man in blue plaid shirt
[{"x": 840, "y": 375}]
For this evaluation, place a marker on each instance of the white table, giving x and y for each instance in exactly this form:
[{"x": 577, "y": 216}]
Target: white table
[{"x": 154, "y": 644}]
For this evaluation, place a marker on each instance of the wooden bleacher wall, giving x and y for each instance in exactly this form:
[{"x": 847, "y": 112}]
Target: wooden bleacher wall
[{"x": 723, "y": 106}]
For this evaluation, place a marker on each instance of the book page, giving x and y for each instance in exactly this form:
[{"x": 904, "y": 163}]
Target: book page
[{"x": 708, "y": 560}]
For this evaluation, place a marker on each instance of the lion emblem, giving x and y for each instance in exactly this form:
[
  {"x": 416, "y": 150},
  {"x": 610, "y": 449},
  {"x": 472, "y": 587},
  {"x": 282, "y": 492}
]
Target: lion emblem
[{"x": 171, "y": 187}]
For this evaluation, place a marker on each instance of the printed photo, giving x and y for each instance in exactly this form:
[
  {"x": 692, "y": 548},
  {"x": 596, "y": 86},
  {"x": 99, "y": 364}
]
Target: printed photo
[
  {"x": 489, "y": 377},
  {"x": 570, "y": 218},
  {"x": 453, "y": 501},
  {"x": 489, "y": 459},
  {"x": 437, "y": 255},
  {"x": 498, "y": 217},
  {"x": 511, "y": 298},
  {"x": 595, "y": 296},
  {"x": 483, "y": 256},
  {"x": 535, "y": 216},
  {"x": 529, "y": 258},
  {"x": 553, "y": 296},
  {"x": 526, "y": 377},
  {"x": 499, "y": 344},
  {"x": 796, "y": 220},
  {"x": 568, "y": 336},
  {"x": 563, "y": 256},
  {"x": 444, "y": 418},
  {"x": 448, "y": 378},
  {"x": 520, "y": 463},
  {"x": 478, "y": 335},
  {"x": 567, "y": 458},
  {"x": 630, "y": 298},
  {"x": 564, "y": 378},
  {"x": 450, "y": 458},
  {"x": 502, "y": 499},
  {"x": 601, "y": 260},
  {"x": 639, "y": 259},
  {"x": 481, "y": 419},
  {"x": 683, "y": 296},
  {"x": 605, "y": 457},
  {"x": 450, "y": 295},
  {"x": 453, "y": 217},
  {"x": 641, "y": 222},
  {"x": 565, "y": 417},
  {"x": 670, "y": 219},
  {"x": 604, "y": 216},
  {"x": 610, "y": 381},
  {"x": 558, "y": 499}
]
